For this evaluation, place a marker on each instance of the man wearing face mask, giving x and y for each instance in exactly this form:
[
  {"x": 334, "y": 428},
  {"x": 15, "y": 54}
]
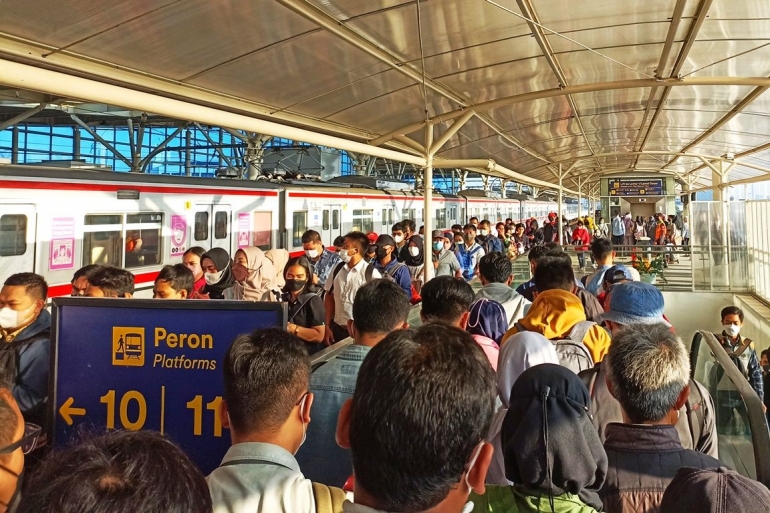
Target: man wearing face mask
[
  {"x": 444, "y": 261},
  {"x": 15, "y": 442},
  {"x": 741, "y": 352},
  {"x": 323, "y": 260},
  {"x": 399, "y": 237},
  {"x": 389, "y": 267},
  {"x": 25, "y": 331},
  {"x": 489, "y": 241},
  {"x": 266, "y": 406},
  {"x": 469, "y": 253}
]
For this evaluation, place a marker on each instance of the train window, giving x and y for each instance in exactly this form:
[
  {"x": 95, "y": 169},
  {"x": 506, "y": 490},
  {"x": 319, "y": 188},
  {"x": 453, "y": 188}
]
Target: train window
[
  {"x": 385, "y": 216},
  {"x": 263, "y": 229},
  {"x": 363, "y": 220},
  {"x": 325, "y": 221},
  {"x": 299, "y": 225},
  {"x": 13, "y": 234},
  {"x": 440, "y": 218},
  {"x": 335, "y": 219},
  {"x": 201, "y": 226},
  {"x": 143, "y": 239},
  {"x": 220, "y": 225},
  {"x": 103, "y": 239}
]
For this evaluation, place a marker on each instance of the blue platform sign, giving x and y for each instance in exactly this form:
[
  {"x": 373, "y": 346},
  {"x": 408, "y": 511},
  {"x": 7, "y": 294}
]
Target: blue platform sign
[{"x": 148, "y": 364}]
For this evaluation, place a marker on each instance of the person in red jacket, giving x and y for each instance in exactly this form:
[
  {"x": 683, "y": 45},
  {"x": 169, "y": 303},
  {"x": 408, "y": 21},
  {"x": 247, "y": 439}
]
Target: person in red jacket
[{"x": 581, "y": 239}]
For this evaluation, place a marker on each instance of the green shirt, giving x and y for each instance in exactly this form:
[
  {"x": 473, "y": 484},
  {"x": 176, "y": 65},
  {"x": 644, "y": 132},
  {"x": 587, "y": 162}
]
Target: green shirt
[{"x": 517, "y": 499}]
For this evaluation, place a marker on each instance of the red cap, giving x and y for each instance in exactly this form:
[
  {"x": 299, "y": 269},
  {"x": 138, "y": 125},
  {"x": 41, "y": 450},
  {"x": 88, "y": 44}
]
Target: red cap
[{"x": 372, "y": 237}]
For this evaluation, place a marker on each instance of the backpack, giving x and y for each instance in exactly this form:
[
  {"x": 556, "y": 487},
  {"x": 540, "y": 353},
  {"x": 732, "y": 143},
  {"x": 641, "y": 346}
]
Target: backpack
[
  {"x": 368, "y": 273},
  {"x": 390, "y": 274},
  {"x": 328, "y": 499},
  {"x": 465, "y": 258},
  {"x": 9, "y": 356},
  {"x": 572, "y": 352},
  {"x": 696, "y": 418}
]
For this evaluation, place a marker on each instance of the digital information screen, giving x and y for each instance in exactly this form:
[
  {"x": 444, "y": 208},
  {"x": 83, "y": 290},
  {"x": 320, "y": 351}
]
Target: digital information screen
[
  {"x": 652, "y": 187},
  {"x": 148, "y": 364}
]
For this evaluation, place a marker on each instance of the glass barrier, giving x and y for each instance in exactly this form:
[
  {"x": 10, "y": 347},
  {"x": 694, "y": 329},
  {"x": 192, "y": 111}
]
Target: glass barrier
[{"x": 742, "y": 431}]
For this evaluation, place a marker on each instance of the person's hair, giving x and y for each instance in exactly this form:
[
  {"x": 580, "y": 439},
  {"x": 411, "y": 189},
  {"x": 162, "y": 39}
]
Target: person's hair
[
  {"x": 408, "y": 224},
  {"x": 445, "y": 298},
  {"x": 495, "y": 267},
  {"x": 34, "y": 284},
  {"x": 178, "y": 276},
  {"x": 379, "y": 307},
  {"x": 83, "y": 271},
  {"x": 311, "y": 236},
  {"x": 303, "y": 262},
  {"x": 536, "y": 253},
  {"x": 601, "y": 249},
  {"x": 339, "y": 241},
  {"x": 112, "y": 280},
  {"x": 423, "y": 401},
  {"x": 551, "y": 245},
  {"x": 457, "y": 227},
  {"x": 472, "y": 218},
  {"x": 195, "y": 250},
  {"x": 265, "y": 372},
  {"x": 398, "y": 227},
  {"x": 616, "y": 213},
  {"x": 554, "y": 272},
  {"x": 765, "y": 352},
  {"x": 728, "y": 310},
  {"x": 469, "y": 226},
  {"x": 534, "y": 224},
  {"x": 485, "y": 223},
  {"x": 498, "y": 225},
  {"x": 648, "y": 367},
  {"x": 118, "y": 471},
  {"x": 360, "y": 240},
  {"x": 519, "y": 225},
  {"x": 9, "y": 422}
]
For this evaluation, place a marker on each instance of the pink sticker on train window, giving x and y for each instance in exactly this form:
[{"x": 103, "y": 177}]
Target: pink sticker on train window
[
  {"x": 62, "y": 252},
  {"x": 178, "y": 235},
  {"x": 244, "y": 230}
]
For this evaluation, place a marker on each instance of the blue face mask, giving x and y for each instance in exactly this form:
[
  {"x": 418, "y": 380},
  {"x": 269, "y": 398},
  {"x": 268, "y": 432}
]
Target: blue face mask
[{"x": 437, "y": 246}]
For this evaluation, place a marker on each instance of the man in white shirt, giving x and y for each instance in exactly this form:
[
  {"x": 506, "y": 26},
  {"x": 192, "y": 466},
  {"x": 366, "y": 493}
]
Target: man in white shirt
[
  {"x": 266, "y": 406},
  {"x": 469, "y": 253},
  {"x": 349, "y": 276}
]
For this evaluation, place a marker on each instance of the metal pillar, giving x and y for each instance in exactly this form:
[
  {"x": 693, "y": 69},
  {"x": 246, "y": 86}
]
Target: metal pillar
[
  {"x": 75, "y": 143},
  {"x": 102, "y": 140},
  {"x": 427, "y": 240},
  {"x": 188, "y": 143},
  {"x": 561, "y": 205},
  {"x": 15, "y": 145}
]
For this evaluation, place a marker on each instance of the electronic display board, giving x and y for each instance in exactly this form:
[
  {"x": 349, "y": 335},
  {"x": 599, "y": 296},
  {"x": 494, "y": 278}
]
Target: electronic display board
[{"x": 626, "y": 187}]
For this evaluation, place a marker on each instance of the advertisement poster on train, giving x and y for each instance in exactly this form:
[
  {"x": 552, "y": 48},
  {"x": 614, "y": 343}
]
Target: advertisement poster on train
[
  {"x": 149, "y": 364},
  {"x": 62, "y": 244},
  {"x": 178, "y": 235},
  {"x": 244, "y": 230}
]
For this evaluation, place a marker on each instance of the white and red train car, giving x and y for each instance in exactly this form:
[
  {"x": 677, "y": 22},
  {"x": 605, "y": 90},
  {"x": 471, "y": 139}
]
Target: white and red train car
[{"x": 54, "y": 221}]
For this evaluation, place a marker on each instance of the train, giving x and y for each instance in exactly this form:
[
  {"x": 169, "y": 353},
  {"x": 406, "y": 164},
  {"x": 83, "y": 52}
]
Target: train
[{"x": 54, "y": 221}]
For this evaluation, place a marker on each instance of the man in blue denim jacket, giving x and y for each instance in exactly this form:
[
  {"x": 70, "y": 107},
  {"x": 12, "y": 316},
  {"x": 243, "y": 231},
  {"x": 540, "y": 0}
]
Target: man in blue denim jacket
[{"x": 379, "y": 308}]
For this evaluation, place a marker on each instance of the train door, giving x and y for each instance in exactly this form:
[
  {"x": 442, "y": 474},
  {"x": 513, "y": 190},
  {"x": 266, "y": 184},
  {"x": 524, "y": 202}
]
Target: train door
[
  {"x": 213, "y": 227},
  {"x": 331, "y": 224},
  {"x": 17, "y": 240}
]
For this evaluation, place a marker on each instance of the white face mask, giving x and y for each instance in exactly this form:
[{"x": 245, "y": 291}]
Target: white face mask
[
  {"x": 398, "y": 238},
  {"x": 414, "y": 251},
  {"x": 13, "y": 318},
  {"x": 732, "y": 329},
  {"x": 344, "y": 256},
  {"x": 484, "y": 232},
  {"x": 213, "y": 278},
  {"x": 311, "y": 253}
]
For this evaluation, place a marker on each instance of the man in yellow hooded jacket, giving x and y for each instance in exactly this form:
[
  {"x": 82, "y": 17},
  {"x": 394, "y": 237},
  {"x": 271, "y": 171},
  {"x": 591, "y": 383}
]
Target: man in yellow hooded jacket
[{"x": 555, "y": 310}]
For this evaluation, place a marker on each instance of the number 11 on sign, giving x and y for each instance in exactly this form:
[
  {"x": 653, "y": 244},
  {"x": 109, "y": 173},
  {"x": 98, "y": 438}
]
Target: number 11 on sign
[{"x": 196, "y": 405}]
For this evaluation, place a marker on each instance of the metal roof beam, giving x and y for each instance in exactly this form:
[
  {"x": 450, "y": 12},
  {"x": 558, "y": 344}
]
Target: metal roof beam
[{"x": 22, "y": 116}]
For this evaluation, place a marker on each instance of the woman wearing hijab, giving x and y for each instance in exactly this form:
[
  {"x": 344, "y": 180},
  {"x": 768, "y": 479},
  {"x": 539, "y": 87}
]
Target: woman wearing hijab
[
  {"x": 552, "y": 451},
  {"x": 306, "y": 308},
  {"x": 253, "y": 274},
  {"x": 415, "y": 261},
  {"x": 279, "y": 258},
  {"x": 488, "y": 323},
  {"x": 521, "y": 351},
  {"x": 218, "y": 273}
]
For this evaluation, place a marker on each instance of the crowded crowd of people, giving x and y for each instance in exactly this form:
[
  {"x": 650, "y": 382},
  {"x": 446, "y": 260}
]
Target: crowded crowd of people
[{"x": 561, "y": 395}]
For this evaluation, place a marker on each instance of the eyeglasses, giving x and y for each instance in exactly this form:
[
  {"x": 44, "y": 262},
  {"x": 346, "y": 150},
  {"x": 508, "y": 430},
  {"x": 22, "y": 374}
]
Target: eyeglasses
[{"x": 28, "y": 441}]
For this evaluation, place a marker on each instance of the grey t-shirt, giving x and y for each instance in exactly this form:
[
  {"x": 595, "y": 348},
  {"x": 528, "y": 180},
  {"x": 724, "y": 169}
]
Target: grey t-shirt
[{"x": 448, "y": 264}]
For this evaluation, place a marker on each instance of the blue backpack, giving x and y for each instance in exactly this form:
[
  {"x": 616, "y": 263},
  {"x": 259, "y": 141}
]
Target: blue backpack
[{"x": 466, "y": 258}]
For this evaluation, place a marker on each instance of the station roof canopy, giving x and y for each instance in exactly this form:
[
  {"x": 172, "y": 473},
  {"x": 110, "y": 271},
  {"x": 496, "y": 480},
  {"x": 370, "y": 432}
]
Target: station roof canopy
[{"x": 600, "y": 88}]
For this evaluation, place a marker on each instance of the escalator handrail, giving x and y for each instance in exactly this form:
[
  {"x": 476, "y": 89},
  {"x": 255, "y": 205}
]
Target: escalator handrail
[{"x": 760, "y": 437}]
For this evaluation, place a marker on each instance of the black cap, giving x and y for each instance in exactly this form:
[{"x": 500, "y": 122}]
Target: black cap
[{"x": 385, "y": 240}]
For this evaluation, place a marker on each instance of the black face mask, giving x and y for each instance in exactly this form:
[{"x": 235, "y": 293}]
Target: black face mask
[
  {"x": 381, "y": 253},
  {"x": 295, "y": 285}
]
